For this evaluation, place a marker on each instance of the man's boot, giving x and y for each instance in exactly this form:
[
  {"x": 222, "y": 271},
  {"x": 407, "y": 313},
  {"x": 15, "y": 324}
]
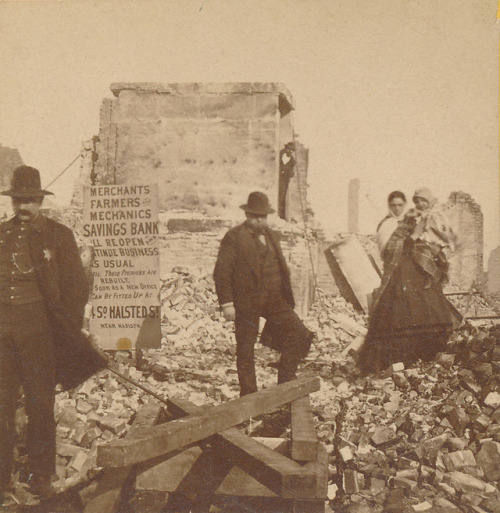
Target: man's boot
[{"x": 41, "y": 485}]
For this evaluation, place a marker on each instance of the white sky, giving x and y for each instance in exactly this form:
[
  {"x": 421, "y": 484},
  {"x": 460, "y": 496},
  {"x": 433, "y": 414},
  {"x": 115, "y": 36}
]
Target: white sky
[{"x": 398, "y": 93}]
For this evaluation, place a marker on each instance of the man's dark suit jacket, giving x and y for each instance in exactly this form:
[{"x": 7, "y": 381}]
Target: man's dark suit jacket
[
  {"x": 238, "y": 276},
  {"x": 63, "y": 285},
  {"x": 237, "y": 272}
]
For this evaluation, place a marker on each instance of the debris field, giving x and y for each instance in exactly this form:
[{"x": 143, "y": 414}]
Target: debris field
[{"x": 425, "y": 438}]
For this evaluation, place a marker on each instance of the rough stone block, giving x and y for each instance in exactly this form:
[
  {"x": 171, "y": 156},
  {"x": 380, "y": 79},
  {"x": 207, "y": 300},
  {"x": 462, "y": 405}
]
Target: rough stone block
[
  {"x": 383, "y": 435},
  {"x": 346, "y": 454},
  {"x": 465, "y": 483},
  {"x": 488, "y": 458},
  {"x": 445, "y": 360},
  {"x": 350, "y": 480},
  {"x": 459, "y": 420},
  {"x": 492, "y": 399},
  {"x": 114, "y": 424},
  {"x": 481, "y": 423},
  {"x": 459, "y": 459}
]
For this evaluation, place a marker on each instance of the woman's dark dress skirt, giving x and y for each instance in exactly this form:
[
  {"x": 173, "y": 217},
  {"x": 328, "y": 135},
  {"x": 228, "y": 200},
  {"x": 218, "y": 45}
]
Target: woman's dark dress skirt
[{"x": 412, "y": 320}]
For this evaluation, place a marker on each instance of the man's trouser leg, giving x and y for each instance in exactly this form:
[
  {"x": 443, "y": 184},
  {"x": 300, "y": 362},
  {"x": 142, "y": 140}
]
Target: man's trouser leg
[
  {"x": 282, "y": 190},
  {"x": 246, "y": 328},
  {"x": 296, "y": 338},
  {"x": 9, "y": 391},
  {"x": 35, "y": 347}
]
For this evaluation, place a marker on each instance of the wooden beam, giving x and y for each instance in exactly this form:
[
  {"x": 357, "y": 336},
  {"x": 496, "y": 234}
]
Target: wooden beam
[
  {"x": 105, "y": 494},
  {"x": 304, "y": 437},
  {"x": 158, "y": 440},
  {"x": 201, "y": 482},
  {"x": 275, "y": 471},
  {"x": 320, "y": 468},
  {"x": 240, "y": 484},
  {"x": 280, "y": 474},
  {"x": 167, "y": 475}
]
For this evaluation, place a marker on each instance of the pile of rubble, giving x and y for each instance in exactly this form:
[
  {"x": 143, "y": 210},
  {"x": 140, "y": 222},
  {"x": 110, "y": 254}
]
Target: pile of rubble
[
  {"x": 98, "y": 411},
  {"x": 474, "y": 303},
  {"x": 419, "y": 439}
]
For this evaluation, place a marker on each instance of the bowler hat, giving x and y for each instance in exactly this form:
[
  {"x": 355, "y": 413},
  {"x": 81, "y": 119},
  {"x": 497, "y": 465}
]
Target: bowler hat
[
  {"x": 257, "y": 203},
  {"x": 25, "y": 183}
]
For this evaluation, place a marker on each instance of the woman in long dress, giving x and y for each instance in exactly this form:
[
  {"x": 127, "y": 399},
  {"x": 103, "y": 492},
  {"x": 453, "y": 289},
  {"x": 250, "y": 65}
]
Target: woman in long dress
[
  {"x": 397, "y": 205},
  {"x": 411, "y": 318}
]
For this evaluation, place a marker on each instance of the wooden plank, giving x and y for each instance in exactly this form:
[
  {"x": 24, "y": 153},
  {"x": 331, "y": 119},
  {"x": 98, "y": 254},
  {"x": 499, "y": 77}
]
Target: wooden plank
[
  {"x": 308, "y": 506},
  {"x": 147, "y": 416},
  {"x": 353, "y": 271},
  {"x": 320, "y": 468},
  {"x": 105, "y": 494},
  {"x": 167, "y": 475},
  {"x": 280, "y": 474},
  {"x": 206, "y": 475},
  {"x": 240, "y": 484},
  {"x": 304, "y": 437},
  {"x": 158, "y": 440}
]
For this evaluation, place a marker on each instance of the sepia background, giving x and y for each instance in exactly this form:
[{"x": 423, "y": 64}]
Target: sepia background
[{"x": 396, "y": 93}]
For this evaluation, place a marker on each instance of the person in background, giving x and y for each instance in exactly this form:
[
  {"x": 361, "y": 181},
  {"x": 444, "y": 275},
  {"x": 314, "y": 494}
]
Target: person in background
[
  {"x": 252, "y": 280},
  {"x": 287, "y": 167},
  {"x": 397, "y": 206},
  {"x": 411, "y": 318},
  {"x": 43, "y": 292}
]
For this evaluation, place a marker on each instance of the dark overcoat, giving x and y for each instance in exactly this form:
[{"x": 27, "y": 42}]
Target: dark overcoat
[
  {"x": 238, "y": 276},
  {"x": 65, "y": 291}
]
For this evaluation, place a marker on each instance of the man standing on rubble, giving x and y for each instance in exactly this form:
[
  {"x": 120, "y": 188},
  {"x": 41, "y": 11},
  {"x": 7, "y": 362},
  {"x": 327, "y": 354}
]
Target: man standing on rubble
[
  {"x": 43, "y": 292},
  {"x": 252, "y": 280}
]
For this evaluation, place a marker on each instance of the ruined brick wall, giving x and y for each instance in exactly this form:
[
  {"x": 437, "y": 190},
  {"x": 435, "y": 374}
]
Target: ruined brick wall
[
  {"x": 9, "y": 160},
  {"x": 466, "y": 265},
  {"x": 207, "y": 145},
  {"x": 324, "y": 277},
  {"x": 298, "y": 187},
  {"x": 86, "y": 166},
  {"x": 493, "y": 285}
]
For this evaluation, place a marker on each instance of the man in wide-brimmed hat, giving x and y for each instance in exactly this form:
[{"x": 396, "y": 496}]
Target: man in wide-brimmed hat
[
  {"x": 252, "y": 280},
  {"x": 43, "y": 292}
]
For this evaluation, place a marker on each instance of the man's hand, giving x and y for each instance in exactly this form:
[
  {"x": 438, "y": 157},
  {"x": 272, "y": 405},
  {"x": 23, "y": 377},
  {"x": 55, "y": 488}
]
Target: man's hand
[{"x": 229, "y": 312}]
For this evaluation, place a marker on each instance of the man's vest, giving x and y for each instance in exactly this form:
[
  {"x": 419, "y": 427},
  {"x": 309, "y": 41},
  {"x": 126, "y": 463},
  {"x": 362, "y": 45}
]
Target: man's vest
[
  {"x": 269, "y": 265},
  {"x": 18, "y": 279}
]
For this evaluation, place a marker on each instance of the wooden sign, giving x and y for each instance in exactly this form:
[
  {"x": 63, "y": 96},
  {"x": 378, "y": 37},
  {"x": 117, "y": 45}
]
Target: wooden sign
[
  {"x": 120, "y": 223},
  {"x": 354, "y": 272}
]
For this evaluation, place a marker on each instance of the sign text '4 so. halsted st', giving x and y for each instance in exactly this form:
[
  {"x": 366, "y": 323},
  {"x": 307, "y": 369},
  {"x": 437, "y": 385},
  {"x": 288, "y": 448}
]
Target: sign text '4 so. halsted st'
[{"x": 120, "y": 223}]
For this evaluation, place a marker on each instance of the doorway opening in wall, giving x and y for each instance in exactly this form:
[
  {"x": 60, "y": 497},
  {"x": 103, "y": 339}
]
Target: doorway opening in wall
[{"x": 287, "y": 171}]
